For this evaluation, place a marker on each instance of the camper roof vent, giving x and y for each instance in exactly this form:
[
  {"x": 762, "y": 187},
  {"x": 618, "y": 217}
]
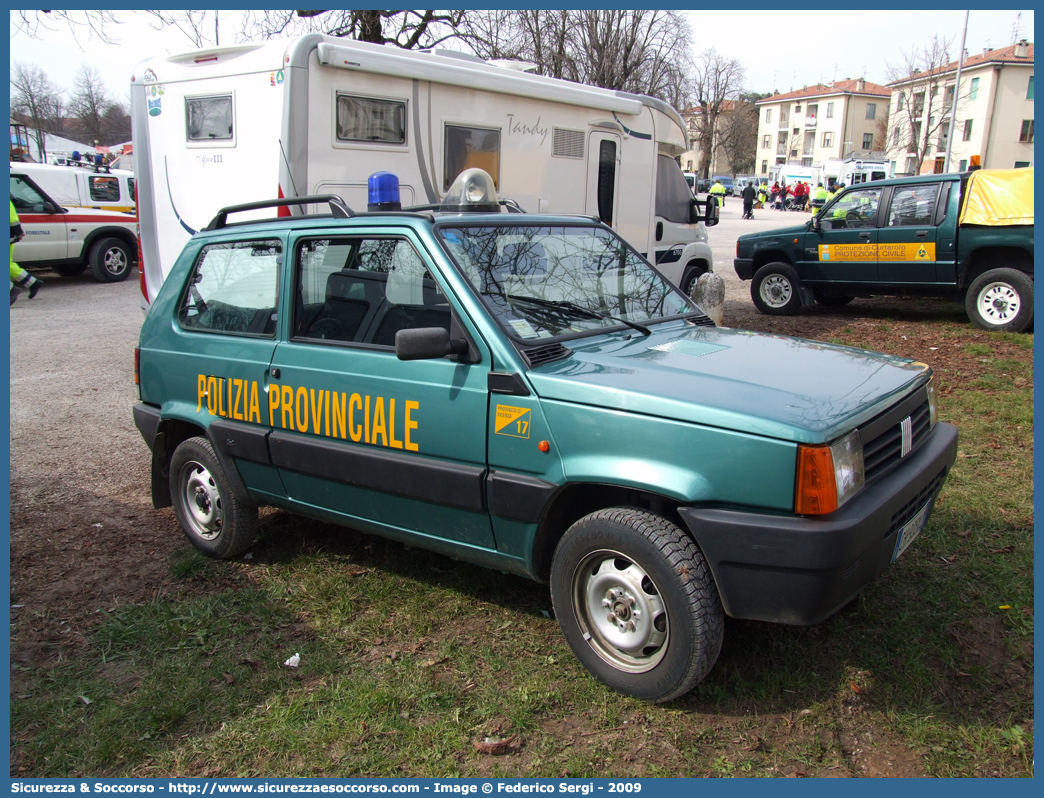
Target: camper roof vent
[
  {"x": 567, "y": 143},
  {"x": 515, "y": 66},
  {"x": 444, "y": 53}
]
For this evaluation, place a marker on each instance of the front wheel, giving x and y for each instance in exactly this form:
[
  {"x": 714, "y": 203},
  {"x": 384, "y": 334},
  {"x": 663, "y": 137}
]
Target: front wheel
[
  {"x": 211, "y": 516},
  {"x": 1001, "y": 300},
  {"x": 692, "y": 274},
  {"x": 110, "y": 261},
  {"x": 636, "y": 603},
  {"x": 774, "y": 290}
]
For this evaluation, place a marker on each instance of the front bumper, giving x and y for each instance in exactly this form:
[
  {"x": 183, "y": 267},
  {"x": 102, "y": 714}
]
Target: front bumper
[
  {"x": 744, "y": 268},
  {"x": 801, "y": 570}
]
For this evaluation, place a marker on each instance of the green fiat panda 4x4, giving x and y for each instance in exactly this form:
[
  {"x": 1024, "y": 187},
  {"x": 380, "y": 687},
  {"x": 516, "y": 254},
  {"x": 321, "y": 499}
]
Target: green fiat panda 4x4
[{"x": 528, "y": 393}]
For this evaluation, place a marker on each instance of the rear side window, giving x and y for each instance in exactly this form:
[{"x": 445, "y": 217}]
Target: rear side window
[
  {"x": 208, "y": 118},
  {"x": 233, "y": 288},
  {"x": 368, "y": 119},
  {"x": 130, "y": 190},
  {"x": 104, "y": 188},
  {"x": 913, "y": 206},
  {"x": 471, "y": 146},
  {"x": 363, "y": 291}
]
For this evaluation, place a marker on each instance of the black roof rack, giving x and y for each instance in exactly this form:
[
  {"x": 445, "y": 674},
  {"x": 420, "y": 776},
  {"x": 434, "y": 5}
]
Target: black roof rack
[{"x": 337, "y": 208}]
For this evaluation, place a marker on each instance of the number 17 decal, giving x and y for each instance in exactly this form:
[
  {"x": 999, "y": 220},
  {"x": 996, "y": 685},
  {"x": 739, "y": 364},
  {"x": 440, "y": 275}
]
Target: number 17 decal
[{"x": 513, "y": 421}]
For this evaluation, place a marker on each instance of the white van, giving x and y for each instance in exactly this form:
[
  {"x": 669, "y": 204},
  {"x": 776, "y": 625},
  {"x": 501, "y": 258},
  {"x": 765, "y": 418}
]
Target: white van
[
  {"x": 74, "y": 186},
  {"x": 319, "y": 115}
]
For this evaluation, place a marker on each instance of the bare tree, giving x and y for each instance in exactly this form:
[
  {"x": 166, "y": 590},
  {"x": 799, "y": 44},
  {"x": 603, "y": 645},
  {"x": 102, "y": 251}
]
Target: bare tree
[
  {"x": 738, "y": 133},
  {"x": 98, "y": 117},
  {"x": 89, "y": 23},
  {"x": 635, "y": 51},
  {"x": 195, "y": 25},
  {"x": 924, "y": 100},
  {"x": 406, "y": 29},
  {"x": 715, "y": 85},
  {"x": 38, "y": 100}
]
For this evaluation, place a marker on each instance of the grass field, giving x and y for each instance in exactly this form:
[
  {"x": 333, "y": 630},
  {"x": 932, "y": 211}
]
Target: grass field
[{"x": 416, "y": 665}]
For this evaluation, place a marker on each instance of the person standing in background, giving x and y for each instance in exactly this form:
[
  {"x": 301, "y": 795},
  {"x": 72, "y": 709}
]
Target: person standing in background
[{"x": 20, "y": 278}]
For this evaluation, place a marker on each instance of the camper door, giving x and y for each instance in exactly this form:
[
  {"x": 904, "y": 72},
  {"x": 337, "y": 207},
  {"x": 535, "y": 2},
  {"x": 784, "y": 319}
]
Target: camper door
[{"x": 603, "y": 176}]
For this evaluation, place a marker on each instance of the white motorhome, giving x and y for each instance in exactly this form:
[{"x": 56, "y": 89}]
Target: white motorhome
[
  {"x": 851, "y": 171},
  {"x": 73, "y": 186},
  {"x": 319, "y": 115}
]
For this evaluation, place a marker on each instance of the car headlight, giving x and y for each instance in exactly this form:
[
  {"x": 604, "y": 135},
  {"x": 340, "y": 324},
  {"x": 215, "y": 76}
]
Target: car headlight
[
  {"x": 828, "y": 476},
  {"x": 933, "y": 406}
]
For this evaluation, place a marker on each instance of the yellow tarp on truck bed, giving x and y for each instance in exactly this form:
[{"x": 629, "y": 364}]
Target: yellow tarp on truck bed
[{"x": 997, "y": 197}]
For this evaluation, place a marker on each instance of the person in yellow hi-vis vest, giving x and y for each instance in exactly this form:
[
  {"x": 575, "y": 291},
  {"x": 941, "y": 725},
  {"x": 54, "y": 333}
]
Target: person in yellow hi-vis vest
[
  {"x": 819, "y": 198},
  {"x": 20, "y": 278},
  {"x": 718, "y": 192}
]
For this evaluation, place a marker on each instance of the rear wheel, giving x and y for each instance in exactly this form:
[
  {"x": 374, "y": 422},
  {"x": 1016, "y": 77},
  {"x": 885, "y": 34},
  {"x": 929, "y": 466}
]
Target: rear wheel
[
  {"x": 1001, "y": 300},
  {"x": 636, "y": 603},
  {"x": 211, "y": 516},
  {"x": 774, "y": 290},
  {"x": 110, "y": 260}
]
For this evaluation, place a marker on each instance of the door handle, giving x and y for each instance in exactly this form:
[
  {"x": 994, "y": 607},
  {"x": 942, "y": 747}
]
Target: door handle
[
  {"x": 864, "y": 236},
  {"x": 921, "y": 234}
]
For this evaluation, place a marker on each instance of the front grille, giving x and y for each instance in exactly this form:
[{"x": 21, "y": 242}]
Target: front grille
[
  {"x": 539, "y": 355},
  {"x": 910, "y": 509},
  {"x": 884, "y": 451}
]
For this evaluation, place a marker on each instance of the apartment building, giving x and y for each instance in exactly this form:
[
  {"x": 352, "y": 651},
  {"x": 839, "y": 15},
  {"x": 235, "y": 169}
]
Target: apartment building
[
  {"x": 820, "y": 122},
  {"x": 994, "y": 119}
]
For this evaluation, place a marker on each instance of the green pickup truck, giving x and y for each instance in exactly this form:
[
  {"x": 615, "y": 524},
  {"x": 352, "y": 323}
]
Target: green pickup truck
[
  {"x": 966, "y": 236},
  {"x": 528, "y": 393}
]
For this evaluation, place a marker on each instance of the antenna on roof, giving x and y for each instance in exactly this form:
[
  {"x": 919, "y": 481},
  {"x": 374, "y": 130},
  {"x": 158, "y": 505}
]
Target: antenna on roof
[{"x": 1015, "y": 28}]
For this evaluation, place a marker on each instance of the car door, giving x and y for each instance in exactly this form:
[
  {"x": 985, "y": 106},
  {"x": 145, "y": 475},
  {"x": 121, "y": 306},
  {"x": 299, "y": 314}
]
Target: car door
[
  {"x": 42, "y": 222},
  {"x": 215, "y": 359},
  {"x": 906, "y": 253},
  {"x": 384, "y": 443},
  {"x": 840, "y": 248}
]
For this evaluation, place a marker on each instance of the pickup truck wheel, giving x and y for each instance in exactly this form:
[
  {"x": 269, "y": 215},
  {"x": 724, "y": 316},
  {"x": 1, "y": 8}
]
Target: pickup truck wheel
[
  {"x": 831, "y": 300},
  {"x": 774, "y": 290},
  {"x": 70, "y": 271},
  {"x": 214, "y": 521},
  {"x": 110, "y": 261},
  {"x": 1001, "y": 300},
  {"x": 636, "y": 603}
]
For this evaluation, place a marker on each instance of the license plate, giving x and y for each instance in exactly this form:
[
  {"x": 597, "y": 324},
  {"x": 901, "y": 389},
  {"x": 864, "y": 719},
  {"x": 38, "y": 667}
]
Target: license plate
[{"x": 908, "y": 534}]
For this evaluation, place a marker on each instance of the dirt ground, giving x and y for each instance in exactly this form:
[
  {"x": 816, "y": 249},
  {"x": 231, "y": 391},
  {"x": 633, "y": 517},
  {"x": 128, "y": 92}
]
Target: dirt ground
[{"x": 85, "y": 538}]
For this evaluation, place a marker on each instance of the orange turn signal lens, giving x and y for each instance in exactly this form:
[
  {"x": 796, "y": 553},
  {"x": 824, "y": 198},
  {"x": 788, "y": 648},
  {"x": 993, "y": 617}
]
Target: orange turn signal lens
[{"x": 815, "y": 492}]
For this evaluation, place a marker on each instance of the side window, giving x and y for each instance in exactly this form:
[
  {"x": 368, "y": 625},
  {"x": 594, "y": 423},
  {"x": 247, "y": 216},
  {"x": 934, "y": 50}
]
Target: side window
[
  {"x": 25, "y": 197},
  {"x": 852, "y": 209},
  {"x": 913, "y": 206},
  {"x": 368, "y": 119},
  {"x": 233, "y": 289},
  {"x": 130, "y": 189},
  {"x": 208, "y": 118},
  {"x": 364, "y": 290},
  {"x": 471, "y": 146},
  {"x": 104, "y": 188}
]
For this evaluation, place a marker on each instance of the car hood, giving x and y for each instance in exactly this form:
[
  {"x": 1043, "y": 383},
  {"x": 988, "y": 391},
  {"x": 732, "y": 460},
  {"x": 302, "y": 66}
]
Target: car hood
[
  {"x": 777, "y": 236},
  {"x": 771, "y": 385}
]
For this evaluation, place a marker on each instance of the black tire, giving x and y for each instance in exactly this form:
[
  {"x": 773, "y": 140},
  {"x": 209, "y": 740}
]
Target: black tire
[
  {"x": 637, "y": 604},
  {"x": 211, "y": 516},
  {"x": 70, "y": 271},
  {"x": 110, "y": 260},
  {"x": 1001, "y": 300},
  {"x": 692, "y": 274},
  {"x": 831, "y": 300},
  {"x": 774, "y": 290}
]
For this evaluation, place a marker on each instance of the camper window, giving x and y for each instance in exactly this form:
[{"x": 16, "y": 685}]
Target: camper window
[
  {"x": 466, "y": 147},
  {"x": 104, "y": 188},
  {"x": 368, "y": 119},
  {"x": 208, "y": 118}
]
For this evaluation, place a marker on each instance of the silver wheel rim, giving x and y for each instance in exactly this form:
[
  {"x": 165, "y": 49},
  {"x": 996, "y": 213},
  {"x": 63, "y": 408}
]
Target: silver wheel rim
[
  {"x": 776, "y": 290},
  {"x": 114, "y": 261},
  {"x": 998, "y": 303},
  {"x": 201, "y": 500},
  {"x": 620, "y": 611}
]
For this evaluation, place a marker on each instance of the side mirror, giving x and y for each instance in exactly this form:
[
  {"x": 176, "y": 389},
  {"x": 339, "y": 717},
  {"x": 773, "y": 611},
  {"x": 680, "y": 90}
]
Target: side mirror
[
  {"x": 713, "y": 212},
  {"x": 427, "y": 343}
]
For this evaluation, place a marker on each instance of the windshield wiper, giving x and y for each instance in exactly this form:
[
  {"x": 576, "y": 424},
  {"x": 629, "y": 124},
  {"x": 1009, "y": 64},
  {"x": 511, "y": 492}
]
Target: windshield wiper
[{"x": 578, "y": 310}]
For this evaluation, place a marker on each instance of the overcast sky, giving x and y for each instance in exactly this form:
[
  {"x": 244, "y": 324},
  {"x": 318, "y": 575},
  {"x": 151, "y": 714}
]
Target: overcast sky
[{"x": 780, "y": 50}]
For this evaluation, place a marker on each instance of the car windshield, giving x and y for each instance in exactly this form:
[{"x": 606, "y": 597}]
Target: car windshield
[{"x": 544, "y": 282}]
